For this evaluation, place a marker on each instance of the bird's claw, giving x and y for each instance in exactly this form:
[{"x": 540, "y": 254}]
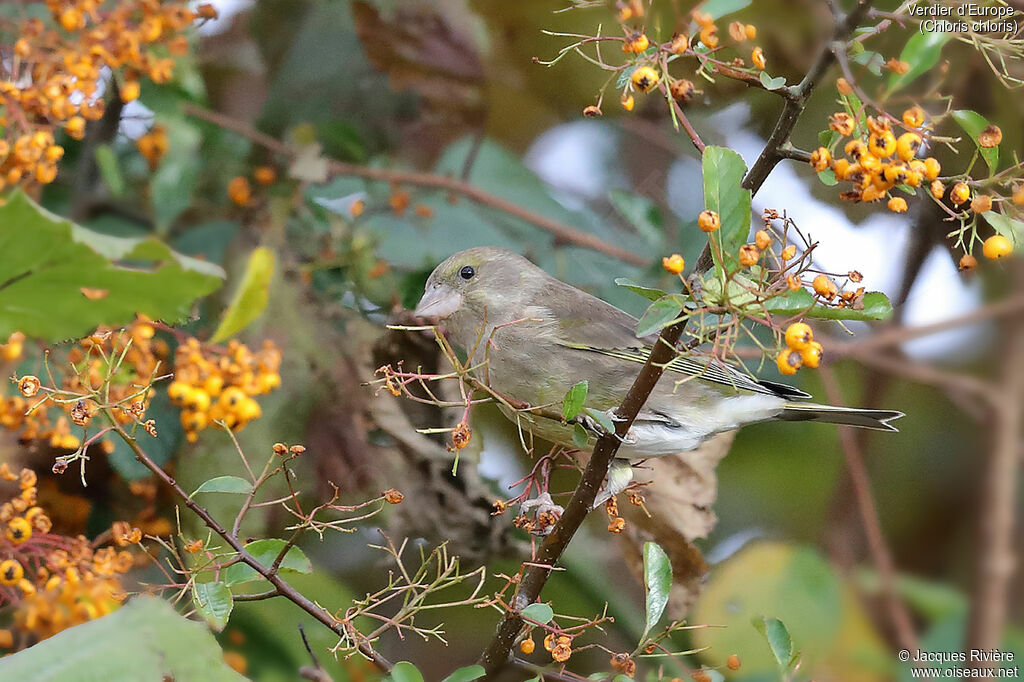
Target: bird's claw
[{"x": 595, "y": 427}]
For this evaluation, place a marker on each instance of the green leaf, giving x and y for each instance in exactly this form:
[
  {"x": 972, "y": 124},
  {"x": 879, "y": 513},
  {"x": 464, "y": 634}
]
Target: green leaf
[
  {"x": 251, "y": 298},
  {"x": 214, "y": 602},
  {"x": 161, "y": 645},
  {"x": 1010, "y": 228},
  {"x": 872, "y": 60},
  {"x": 922, "y": 52},
  {"x": 224, "y": 484},
  {"x": 876, "y": 307},
  {"x": 719, "y": 8},
  {"x": 573, "y": 401},
  {"x": 657, "y": 583},
  {"x": 171, "y": 186},
  {"x": 580, "y": 437},
  {"x": 828, "y": 137},
  {"x": 46, "y": 262},
  {"x": 539, "y": 612},
  {"x": 907, "y": 189},
  {"x": 649, "y": 293},
  {"x": 265, "y": 551},
  {"x": 973, "y": 124},
  {"x": 828, "y": 177},
  {"x": 660, "y": 314},
  {"x": 109, "y": 169},
  {"x": 770, "y": 83},
  {"x": 601, "y": 418},
  {"x": 404, "y": 671},
  {"x": 779, "y": 641},
  {"x": 467, "y": 674},
  {"x": 723, "y": 173}
]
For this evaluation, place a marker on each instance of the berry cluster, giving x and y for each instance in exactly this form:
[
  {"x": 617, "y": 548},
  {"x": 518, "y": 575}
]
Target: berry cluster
[
  {"x": 217, "y": 385},
  {"x": 801, "y": 350},
  {"x": 56, "y": 72},
  {"x": 54, "y": 581},
  {"x": 240, "y": 189}
]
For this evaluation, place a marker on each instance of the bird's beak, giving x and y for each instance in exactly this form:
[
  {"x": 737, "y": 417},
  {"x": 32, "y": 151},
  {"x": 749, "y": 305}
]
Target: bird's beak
[{"x": 438, "y": 302}]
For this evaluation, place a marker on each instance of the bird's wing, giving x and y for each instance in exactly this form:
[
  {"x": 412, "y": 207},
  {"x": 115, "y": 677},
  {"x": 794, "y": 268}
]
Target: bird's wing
[{"x": 587, "y": 323}]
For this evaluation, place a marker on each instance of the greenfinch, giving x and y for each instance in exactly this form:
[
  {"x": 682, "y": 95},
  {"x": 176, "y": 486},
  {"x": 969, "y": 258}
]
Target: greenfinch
[{"x": 531, "y": 337}]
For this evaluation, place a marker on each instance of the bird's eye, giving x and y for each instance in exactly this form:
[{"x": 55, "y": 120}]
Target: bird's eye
[{"x": 467, "y": 272}]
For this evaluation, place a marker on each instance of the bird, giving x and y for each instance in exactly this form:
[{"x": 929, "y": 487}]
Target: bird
[{"x": 531, "y": 337}]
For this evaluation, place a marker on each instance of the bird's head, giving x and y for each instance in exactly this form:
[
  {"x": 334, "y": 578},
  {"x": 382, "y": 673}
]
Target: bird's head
[{"x": 474, "y": 285}]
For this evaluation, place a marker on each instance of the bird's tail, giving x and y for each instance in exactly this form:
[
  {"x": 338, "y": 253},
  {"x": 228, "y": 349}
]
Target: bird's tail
[{"x": 849, "y": 416}]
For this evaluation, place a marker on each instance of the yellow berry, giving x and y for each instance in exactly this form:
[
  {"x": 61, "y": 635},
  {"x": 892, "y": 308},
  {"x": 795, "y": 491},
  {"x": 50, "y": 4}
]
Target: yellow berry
[
  {"x": 213, "y": 385},
  {"x": 248, "y": 410},
  {"x": 1018, "y": 194},
  {"x": 627, "y": 102},
  {"x": 960, "y": 193},
  {"x": 841, "y": 168},
  {"x": 825, "y": 287},
  {"x": 907, "y": 145},
  {"x": 898, "y": 205},
  {"x": 799, "y": 335},
  {"x": 177, "y": 391},
  {"x": 751, "y": 31},
  {"x": 19, "y": 530},
  {"x": 855, "y": 149},
  {"x": 820, "y": 159},
  {"x": 894, "y": 173},
  {"x": 757, "y": 58},
  {"x": 267, "y": 382},
  {"x": 997, "y": 246},
  {"x": 788, "y": 252},
  {"x": 196, "y": 399},
  {"x": 932, "y": 168},
  {"x": 913, "y": 117},
  {"x": 842, "y": 123},
  {"x": 937, "y": 189},
  {"x": 11, "y": 572},
  {"x": 788, "y": 361},
  {"x": 882, "y": 145},
  {"x": 680, "y": 43},
  {"x": 527, "y": 646},
  {"x": 636, "y": 43},
  {"x": 230, "y": 397},
  {"x": 674, "y": 263},
  {"x": 709, "y": 221},
  {"x": 870, "y": 162},
  {"x": 812, "y": 354},
  {"x": 644, "y": 78},
  {"x": 709, "y": 36}
]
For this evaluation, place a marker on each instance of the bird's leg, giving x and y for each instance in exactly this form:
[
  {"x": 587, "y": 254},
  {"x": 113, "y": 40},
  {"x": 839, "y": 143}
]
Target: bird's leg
[{"x": 594, "y": 426}]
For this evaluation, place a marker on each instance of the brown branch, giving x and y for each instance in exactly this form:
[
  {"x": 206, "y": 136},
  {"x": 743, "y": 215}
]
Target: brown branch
[
  {"x": 996, "y": 558},
  {"x": 561, "y": 232},
  {"x": 281, "y": 586},
  {"x": 534, "y": 577},
  {"x": 880, "y": 555}
]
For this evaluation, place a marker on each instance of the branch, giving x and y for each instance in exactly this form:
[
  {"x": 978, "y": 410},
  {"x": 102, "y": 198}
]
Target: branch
[
  {"x": 996, "y": 558},
  {"x": 536, "y": 575},
  {"x": 561, "y": 232},
  {"x": 281, "y": 587},
  {"x": 778, "y": 146}
]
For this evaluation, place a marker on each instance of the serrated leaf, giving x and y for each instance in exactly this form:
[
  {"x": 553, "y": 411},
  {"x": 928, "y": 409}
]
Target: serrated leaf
[
  {"x": 404, "y": 671},
  {"x": 719, "y": 8},
  {"x": 265, "y": 551},
  {"x": 224, "y": 484},
  {"x": 723, "y": 171},
  {"x": 828, "y": 177},
  {"x": 657, "y": 583},
  {"x": 601, "y": 418},
  {"x": 828, "y": 137},
  {"x": 46, "y": 262},
  {"x": 542, "y": 613},
  {"x": 161, "y": 644},
  {"x": 876, "y": 307},
  {"x": 779, "y": 641},
  {"x": 467, "y": 674},
  {"x": 574, "y": 399},
  {"x": 250, "y": 300},
  {"x": 922, "y": 52},
  {"x": 660, "y": 314},
  {"x": 973, "y": 124},
  {"x": 580, "y": 437},
  {"x": 650, "y": 293},
  {"x": 770, "y": 83},
  {"x": 214, "y": 603}
]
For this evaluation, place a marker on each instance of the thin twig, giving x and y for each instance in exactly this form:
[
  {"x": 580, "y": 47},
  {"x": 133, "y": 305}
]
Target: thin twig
[{"x": 561, "y": 232}]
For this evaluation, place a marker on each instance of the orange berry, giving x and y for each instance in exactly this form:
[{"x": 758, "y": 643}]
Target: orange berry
[
  {"x": 636, "y": 43},
  {"x": 130, "y": 90},
  {"x": 967, "y": 262},
  {"x": 825, "y": 287},
  {"x": 812, "y": 354},
  {"x": 674, "y": 263},
  {"x": 960, "y": 193},
  {"x": 820, "y": 159},
  {"x": 799, "y": 335},
  {"x": 757, "y": 57},
  {"x": 1018, "y": 194},
  {"x": 750, "y": 31},
  {"x": 788, "y": 361},
  {"x": 709, "y": 221},
  {"x": 907, "y": 145},
  {"x": 762, "y": 239},
  {"x": 913, "y": 117},
  {"x": 239, "y": 190},
  {"x": 898, "y": 205},
  {"x": 709, "y": 36},
  {"x": 843, "y": 86},
  {"x": 788, "y": 252},
  {"x": 749, "y": 255},
  {"x": 932, "y": 168},
  {"x": 627, "y": 102},
  {"x": 982, "y": 203},
  {"x": 645, "y": 78},
  {"x": 680, "y": 43},
  {"x": 733, "y": 662},
  {"x": 882, "y": 145},
  {"x": 264, "y": 175},
  {"x": 997, "y": 246},
  {"x": 527, "y": 646},
  {"x": 990, "y": 137}
]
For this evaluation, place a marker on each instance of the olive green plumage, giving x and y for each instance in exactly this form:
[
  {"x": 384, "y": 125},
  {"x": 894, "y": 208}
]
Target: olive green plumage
[{"x": 534, "y": 337}]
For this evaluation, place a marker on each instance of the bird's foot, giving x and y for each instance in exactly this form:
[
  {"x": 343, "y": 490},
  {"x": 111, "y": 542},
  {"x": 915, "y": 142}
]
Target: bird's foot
[{"x": 595, "y": 427}]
